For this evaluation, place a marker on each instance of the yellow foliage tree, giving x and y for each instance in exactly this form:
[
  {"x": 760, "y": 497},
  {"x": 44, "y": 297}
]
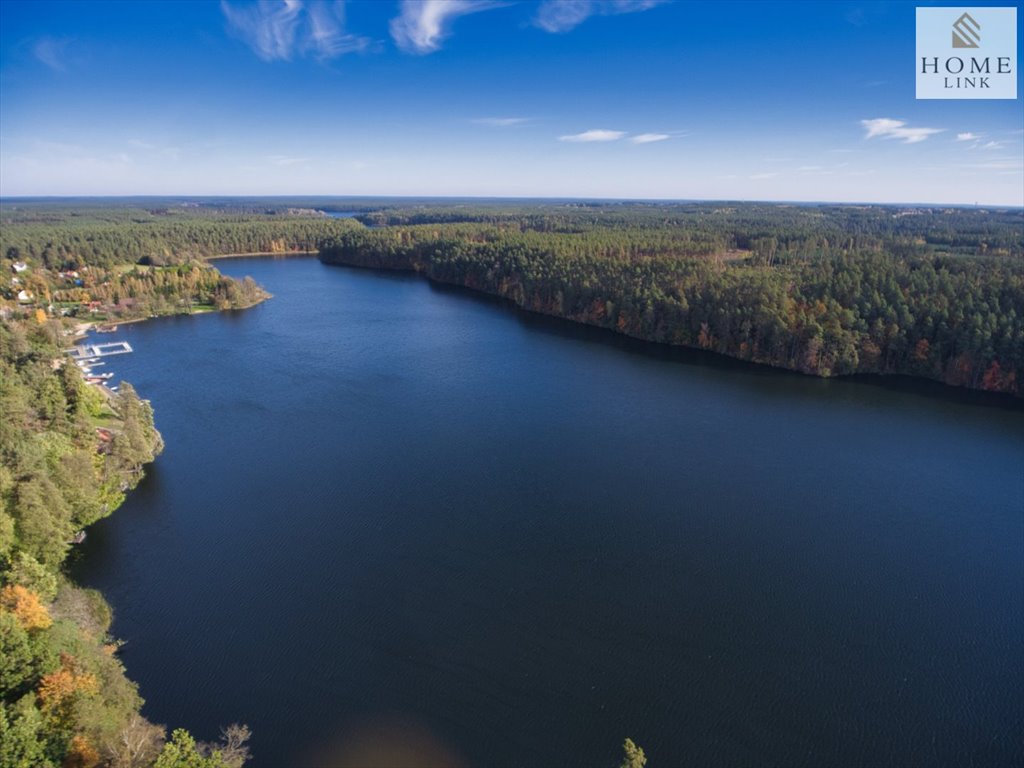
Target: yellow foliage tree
[
  {"x": 81, "y": 754},
  {"x": 25, "y": 606},
  {"x": 58, "y": 690}
]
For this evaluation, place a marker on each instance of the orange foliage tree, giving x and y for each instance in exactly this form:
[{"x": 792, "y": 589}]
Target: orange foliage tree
[
  {"x": 25, "y": 606},
  {"x": 59, "y": 690},
  {"x": 81, "y": 754}
]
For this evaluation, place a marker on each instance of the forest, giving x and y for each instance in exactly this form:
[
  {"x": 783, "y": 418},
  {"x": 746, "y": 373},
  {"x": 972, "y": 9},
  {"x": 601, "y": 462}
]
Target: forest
[
  {"x": 70, "y": 452},
  {"x": 120, "y": 262},
  {"x": 59, "y": 236},
  {"x": 824, "y": 290}
]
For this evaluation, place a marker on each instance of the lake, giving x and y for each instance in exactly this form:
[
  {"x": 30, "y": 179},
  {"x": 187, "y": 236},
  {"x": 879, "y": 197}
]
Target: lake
[{"x": 409, "y": 521}]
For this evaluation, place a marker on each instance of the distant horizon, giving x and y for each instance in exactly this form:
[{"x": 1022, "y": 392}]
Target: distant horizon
[{"x": 501, "y": 198}]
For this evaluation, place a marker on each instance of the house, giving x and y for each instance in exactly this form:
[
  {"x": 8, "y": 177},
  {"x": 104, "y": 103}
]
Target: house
[
  {"x": 24, "y": 296},
  {"x": 19, "y": 266}
]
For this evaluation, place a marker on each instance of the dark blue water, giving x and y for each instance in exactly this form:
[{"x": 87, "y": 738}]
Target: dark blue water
[{"x": 397, "y": 517}]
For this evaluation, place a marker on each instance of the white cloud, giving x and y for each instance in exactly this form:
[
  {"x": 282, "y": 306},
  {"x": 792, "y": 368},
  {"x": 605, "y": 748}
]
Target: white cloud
[
  {"x": 278, "y": 29},
  {"x": 887, "y": 128},
  {"x": 564, "y": 15},
  {"x": 501, "y": 122},
  {"x": 649, "y": 138},
  {"x": 286, "y": 160},
  {"x": 978, "y": 142},
  {"x": 595, "y": 134},
  {"x": 422, "y": 25},
  {"x": 758, "y": 176},
  {"x": 326, "y": 36},
  {"x": 268, "y": 28},
  {"x": 52, "y": 52}
]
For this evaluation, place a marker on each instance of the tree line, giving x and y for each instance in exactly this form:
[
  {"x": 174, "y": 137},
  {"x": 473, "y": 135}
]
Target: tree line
[
  {"x": 58, "y": 238},
  {"x": 819, "y": 290}
]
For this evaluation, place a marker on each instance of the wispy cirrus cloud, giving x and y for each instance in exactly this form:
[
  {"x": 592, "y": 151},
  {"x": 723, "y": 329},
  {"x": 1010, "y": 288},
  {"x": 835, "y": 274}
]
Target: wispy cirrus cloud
[
  {"x": 501, "y": 122},
  {"x": 326, "y": 36},
  {"x": 52, "y": 51},
  {"x": 649, "y": 138},
  {"x": 422, "y": 25},
  {"x": 280, "y": 29},
  {"x": 887, "y": 128},
  {"x": 595, "y": 134},
  {"x": 564, "y": 15},
  {"x": 967, "y": 136}
]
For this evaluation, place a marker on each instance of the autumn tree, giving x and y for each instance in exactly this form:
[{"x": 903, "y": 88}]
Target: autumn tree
[{"x": 25, "y": 605}]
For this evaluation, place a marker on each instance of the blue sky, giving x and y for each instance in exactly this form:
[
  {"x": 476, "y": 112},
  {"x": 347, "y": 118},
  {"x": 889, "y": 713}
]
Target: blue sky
[{"x": 574, "y": 98}]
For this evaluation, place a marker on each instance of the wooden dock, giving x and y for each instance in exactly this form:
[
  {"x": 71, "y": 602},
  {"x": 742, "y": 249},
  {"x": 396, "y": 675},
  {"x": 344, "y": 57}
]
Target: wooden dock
[{"x": 89, "y": 351}]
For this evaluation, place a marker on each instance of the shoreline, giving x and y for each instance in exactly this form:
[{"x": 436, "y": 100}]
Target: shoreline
[
  {"x": 81, "y": 329},
  {"x": 881, "y": 378},
  {"x": 283, "y": 254}
]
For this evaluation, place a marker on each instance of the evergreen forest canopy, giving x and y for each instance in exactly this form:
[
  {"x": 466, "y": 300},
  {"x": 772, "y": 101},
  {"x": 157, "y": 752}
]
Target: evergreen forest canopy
[{"x": 826, "y": 290}]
